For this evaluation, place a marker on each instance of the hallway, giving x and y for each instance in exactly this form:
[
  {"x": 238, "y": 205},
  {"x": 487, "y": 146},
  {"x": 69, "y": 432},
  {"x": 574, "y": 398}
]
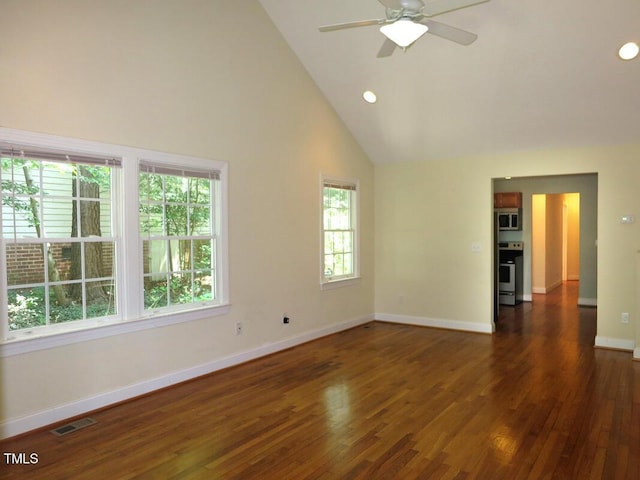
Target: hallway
[{"x": 554, "y": 316}]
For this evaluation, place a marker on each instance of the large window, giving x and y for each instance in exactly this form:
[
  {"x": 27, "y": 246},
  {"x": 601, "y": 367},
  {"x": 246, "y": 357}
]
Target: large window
[
  {"x": 60, "y": 250},
  {"x": 74, "y": 255},
  {"x": 339, "y": 224}
]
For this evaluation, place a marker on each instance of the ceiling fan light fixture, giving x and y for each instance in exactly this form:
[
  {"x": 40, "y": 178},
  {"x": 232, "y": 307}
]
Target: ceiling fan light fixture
[
  {"x": 403, "y": 32},
  {"x": 629, "y": 51}
]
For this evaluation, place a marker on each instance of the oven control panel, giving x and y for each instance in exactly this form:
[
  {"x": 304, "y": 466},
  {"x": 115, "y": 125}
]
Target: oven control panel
[{"x": 510, "y": 246}]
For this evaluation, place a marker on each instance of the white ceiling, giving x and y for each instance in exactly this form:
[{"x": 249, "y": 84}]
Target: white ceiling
[{"x": 542, "y": 74}]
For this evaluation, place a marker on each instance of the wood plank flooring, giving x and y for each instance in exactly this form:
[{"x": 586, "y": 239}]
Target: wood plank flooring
[{"x": 382, "y": 401}]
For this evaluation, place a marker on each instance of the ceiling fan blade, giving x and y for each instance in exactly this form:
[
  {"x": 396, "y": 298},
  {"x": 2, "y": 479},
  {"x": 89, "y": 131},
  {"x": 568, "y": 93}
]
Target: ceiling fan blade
[
  {"x": 360, "y": 23},
  {"x": 438, "y": 7},
  {"x": 450, "y": 33},
  {"x": 387, "y": 48}
]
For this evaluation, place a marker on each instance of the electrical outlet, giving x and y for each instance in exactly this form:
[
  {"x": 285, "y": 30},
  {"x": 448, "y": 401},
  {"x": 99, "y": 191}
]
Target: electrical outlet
[
  {"x": 624, "y": 317},
  {"x": 238, "y": 328}
]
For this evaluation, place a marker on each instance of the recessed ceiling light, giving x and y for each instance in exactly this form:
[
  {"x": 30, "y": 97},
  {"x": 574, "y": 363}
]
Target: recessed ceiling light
[
  {"x": 629, "y": 51},
  {"x": 369, "y": 97}
]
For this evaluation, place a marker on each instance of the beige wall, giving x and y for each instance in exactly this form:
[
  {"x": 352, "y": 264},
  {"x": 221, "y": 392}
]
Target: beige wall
[
  {"x": 179, "y": 76},
  {"x": 572, "y": 204},
  {"x": 553, "y": 270},
  {"x": 636, "y": 352},
  {"x": 429, "y": 214}
]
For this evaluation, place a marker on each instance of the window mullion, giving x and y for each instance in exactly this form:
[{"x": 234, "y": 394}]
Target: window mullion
[
  {"x": 46, "y": 246},
  {"x": 4, "y": 293},
  {"x": 130, "y": 275}
]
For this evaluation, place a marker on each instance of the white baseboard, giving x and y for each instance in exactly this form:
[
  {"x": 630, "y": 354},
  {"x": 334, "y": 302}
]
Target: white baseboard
[
  {"x": 554, "y": 285},
  {"x": 587, "y": 302},
  {"x": 582, "y": 302},
  {"x": 636, "y": 353},
  {"x": 616, "y": 344},
  {"x": 17, "y": 426},
  {"x": 547, "y": 289},
  {"x": 436, "y": 322}
]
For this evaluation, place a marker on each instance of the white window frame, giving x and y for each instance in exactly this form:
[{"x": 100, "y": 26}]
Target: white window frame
[
  {"x": 149, "y": 166},
  {"x": 344, "y": 280},
  {"x": 129, "y": 263}
]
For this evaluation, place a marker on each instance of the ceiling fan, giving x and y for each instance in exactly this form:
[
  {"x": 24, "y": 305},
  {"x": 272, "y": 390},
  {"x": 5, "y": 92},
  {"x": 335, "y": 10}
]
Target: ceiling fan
[{"x": 408, "y": 20}]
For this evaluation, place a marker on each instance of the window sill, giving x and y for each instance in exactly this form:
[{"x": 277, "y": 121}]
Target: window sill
[
  {"x": 342, "y": 282},
  {"x": 25, "y": 342}
]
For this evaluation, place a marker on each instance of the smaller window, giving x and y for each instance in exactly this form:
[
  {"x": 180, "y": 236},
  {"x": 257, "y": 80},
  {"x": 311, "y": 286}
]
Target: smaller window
[
  {"x": 339, "y": 230},
  {"x": 179, "y": 216}
]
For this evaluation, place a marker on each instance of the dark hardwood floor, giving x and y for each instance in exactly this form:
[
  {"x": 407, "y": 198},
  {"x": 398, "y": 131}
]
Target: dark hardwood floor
[{"x": 533, "y": 401}]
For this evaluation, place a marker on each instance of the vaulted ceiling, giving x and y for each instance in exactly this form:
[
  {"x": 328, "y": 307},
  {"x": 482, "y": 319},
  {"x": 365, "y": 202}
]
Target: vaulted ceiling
[{"x": 542, "y": 74}]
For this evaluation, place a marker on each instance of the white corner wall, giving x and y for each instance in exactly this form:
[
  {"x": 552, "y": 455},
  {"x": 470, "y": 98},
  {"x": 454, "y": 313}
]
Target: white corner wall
[
  {"x": 553, "y": 269},
  {"x": 571, "y": 204},
  {"x": 179, "y": 77},
  {"x": 538, "y": 246}
]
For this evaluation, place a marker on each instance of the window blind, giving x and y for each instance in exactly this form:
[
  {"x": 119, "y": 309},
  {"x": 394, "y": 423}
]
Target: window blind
[
  {"x": 343, "y": 186},
  {"x": 150, "y": 167},
  {"x": 17, "y": 151}
]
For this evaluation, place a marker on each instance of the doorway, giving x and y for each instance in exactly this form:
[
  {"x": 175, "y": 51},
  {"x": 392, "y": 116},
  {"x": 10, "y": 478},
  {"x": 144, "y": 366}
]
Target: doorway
[
  {"x": 555, "y": 241},
  {"x": 580, "y": 262}
]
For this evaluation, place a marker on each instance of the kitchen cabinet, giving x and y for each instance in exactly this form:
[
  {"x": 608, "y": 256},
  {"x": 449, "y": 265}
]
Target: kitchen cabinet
[{"x": 507, "y": 200}]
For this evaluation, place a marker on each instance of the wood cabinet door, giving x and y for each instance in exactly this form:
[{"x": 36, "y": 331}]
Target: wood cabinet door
[{"x": 508, "y": 200}]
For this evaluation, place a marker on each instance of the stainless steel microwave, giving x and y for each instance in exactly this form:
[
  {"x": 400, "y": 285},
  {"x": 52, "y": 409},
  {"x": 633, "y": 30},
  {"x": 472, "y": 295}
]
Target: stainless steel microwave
[{"x": 509, "y": 219}]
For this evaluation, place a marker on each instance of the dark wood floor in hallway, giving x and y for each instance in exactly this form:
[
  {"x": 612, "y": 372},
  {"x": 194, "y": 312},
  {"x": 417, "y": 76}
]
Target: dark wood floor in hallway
[{"x": 533, "y": 401}]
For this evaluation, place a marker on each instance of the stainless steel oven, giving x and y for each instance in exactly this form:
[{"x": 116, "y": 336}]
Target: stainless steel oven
[
  {"x": 507, "y": 277},
  {"x": 510, "y": 273}
]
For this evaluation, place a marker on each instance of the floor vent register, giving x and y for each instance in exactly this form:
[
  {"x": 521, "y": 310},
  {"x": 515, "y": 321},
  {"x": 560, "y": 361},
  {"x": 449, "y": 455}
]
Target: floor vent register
[{"x": 73, "y": 426}]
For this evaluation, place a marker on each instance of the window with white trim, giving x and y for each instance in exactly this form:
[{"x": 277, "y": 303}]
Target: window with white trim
[
  {"x": 75, "y": 256},
  {"x": 57, "y": 229},
  {"x": 339, "y": 230},
  {"x": 179, "y": 230}
]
